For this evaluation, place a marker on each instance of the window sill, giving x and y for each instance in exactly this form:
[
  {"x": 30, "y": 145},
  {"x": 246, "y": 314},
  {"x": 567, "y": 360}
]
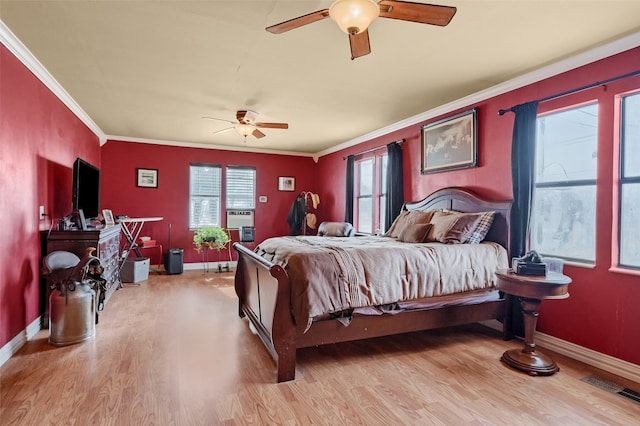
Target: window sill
[
  {"x": 619, "y": 270},
  {"x": 579, "y": 264}
]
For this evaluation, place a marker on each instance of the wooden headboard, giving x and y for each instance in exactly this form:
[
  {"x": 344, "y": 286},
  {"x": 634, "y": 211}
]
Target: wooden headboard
[{"x": 464, "y": 200}]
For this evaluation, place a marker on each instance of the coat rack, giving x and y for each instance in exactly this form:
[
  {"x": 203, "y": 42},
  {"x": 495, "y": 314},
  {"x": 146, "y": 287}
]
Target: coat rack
[{"x": 300, "y": 217}]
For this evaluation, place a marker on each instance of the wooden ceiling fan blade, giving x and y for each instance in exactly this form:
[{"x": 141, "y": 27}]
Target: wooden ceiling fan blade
[
  {"x": 221, "y": 119},
  {"x": 359, "y": 44},
  {"x": 246, "y": 116},
  {"x": 258, "y": 134},
  {"x": 272, "y": 125},
  {"x": 298, "y": 22},
  {"x": 417, "y": 12}
]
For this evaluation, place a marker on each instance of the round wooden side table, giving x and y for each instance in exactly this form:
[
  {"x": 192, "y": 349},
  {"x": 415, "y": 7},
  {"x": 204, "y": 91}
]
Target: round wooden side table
[{"x": 532, "y": 290}]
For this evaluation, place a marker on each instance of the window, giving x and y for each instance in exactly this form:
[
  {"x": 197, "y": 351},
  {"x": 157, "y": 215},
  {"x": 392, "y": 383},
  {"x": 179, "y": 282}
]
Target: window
[
  {"x": 564, "y": 199},
  {"x": 364, "y": 196},
  {"x": 371, "y": 194},
  {"x": 630, "y": 182},
  {"x": 383, "y": 193},
  {"x": 241, "y": 188},
  {"x": 204, "y": 195}
]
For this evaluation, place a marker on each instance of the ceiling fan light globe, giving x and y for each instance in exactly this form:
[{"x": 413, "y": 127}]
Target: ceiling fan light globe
[
  {"x": 354, "y": 16},
  {"x": 245, "y": 129}
]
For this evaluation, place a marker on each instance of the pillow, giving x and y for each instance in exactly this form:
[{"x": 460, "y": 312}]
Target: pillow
[
  {"x": 452, "y": 228},
  {"x": 415, "y": 233},
  {"x": 401, "y": 218},
  {"x": 336, "y": 229},
  {"x": 408, "y": 218},
  {"x": 482, "y": 228}
]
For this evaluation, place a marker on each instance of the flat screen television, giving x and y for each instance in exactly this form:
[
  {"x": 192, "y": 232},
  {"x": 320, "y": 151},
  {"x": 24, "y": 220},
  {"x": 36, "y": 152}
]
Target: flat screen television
[{"x": 86, "y": 188}]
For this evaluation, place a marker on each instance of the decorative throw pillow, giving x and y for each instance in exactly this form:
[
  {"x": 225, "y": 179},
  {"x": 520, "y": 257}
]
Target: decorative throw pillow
[
  {"x": 408, "y": 218},
  {"x": 399, "y": 221},
  {"x": 482, "y": 228},
  {"x": 452, "y": 228},
  {"x": 415, "y": 233},
  {"x": 336, "y": 229}
]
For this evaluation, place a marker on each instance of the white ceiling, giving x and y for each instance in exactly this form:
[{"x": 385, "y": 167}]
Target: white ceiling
[{"x": 149, "y": 70}]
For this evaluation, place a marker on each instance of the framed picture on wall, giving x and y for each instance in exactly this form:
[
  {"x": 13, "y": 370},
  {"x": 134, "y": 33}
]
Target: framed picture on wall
[
  {"x": 147, "y": 178},
  {"x": 286, "y": 183},
  {"x": 450, "y": 143}
]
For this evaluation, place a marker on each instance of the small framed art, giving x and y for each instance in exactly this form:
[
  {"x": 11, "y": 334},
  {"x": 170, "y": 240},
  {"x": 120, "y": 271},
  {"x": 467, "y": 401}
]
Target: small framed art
[
  {"x": 108, "y": 217},
  {"x": 286, "y": 183},
  {"x": 147, "y": 178}
]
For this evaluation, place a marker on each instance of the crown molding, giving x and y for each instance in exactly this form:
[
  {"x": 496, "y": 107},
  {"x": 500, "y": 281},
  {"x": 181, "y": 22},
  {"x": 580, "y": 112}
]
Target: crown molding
[
  {"x": 593, "y": 55},
  {"x": 208, "y": 146},
  {"x": 27, "y": 58}
]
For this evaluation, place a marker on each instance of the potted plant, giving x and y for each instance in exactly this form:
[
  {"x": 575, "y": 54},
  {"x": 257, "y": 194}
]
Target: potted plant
[{"x": 211, "y": 237}]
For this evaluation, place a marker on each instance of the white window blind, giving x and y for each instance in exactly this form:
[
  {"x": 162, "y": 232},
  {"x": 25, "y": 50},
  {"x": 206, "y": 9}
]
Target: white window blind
[
  {"x": 241, "y": 188},
  {"x": 205, "y": 185}
]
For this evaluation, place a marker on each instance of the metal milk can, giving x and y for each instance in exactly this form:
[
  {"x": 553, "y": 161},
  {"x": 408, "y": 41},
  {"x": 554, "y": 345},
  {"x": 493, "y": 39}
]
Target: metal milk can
[{"x": 72, "y": 313}]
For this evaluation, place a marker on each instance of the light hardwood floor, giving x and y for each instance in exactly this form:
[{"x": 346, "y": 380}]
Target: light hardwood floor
[{"x": 173, "y": 351}]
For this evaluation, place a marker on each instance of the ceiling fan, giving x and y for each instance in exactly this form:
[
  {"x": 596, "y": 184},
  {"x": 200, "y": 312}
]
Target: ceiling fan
[
  {"x": 246, "y": 124},
  {"x": 354, "y": 17}
]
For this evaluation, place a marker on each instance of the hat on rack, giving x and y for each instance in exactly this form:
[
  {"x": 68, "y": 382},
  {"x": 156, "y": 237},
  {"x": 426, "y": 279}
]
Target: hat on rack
[
  {"x": 315, "y": 200},
  {"x": 311, "y": 220}
]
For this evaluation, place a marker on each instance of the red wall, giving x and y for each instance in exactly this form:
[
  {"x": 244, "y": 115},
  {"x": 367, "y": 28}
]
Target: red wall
[
  {"x": 39, "y": 140},
  {"x": 171, "y": 199},
  {"x": 601, "y": 313}
]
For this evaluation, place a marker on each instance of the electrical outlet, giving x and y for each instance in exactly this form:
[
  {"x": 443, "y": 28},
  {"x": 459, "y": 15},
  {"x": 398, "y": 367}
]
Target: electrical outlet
[{"x": 42, "y": 214}]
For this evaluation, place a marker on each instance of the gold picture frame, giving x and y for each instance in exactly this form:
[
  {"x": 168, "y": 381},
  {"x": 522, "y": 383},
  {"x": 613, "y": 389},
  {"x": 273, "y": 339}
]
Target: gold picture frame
[{"x": 450, "y": 144}]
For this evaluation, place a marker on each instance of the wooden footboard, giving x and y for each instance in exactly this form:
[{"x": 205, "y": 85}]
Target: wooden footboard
[{"x": 264, "y": 297}]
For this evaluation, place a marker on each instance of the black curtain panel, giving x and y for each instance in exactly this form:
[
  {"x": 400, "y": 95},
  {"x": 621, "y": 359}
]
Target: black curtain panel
[
  {"x": 522, "y": 170},
  {"x": 348, "y": 207},
  {"x": 395, "y": 187}
]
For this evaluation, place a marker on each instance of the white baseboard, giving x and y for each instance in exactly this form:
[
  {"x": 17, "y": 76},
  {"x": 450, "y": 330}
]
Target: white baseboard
[
  {"x": 599, "y": 360},
  {"x": 212, "y": 266},
  {"x": 590, "y": 357},
  {"x": 14, "y": 345}
]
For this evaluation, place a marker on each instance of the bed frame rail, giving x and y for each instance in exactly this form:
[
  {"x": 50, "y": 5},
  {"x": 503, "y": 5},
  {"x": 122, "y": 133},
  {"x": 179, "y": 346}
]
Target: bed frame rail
[{"x": 264, "y": 294}]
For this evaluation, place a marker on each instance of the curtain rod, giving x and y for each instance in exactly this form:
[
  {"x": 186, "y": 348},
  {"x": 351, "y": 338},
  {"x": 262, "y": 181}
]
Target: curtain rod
[
  {"x": 400, "y": 142},
  {"x": 579, "y": 89}
]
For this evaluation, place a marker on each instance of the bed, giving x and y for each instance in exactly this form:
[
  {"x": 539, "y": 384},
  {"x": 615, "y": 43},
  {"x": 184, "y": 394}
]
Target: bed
[{"x": 268, "y": 293}]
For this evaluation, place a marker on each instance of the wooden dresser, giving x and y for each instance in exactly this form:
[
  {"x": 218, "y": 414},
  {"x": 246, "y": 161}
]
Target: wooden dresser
[{"x": 107, "y": 244}]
